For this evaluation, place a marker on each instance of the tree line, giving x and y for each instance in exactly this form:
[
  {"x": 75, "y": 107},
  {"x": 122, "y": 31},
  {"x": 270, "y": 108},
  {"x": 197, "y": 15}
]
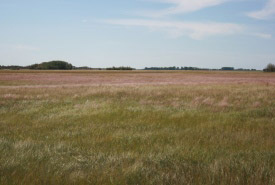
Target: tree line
[
  {"x": 196, "y": 68},
  {"x": 62, "y": 65},
  {"x": 52, "y": 65}
]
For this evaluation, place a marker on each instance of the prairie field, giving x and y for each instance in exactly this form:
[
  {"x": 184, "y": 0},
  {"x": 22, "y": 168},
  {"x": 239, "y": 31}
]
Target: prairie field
[{"x": 137, "y": 127}]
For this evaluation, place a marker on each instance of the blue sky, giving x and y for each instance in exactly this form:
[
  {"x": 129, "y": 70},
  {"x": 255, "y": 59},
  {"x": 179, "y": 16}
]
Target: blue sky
[{"x": 139, "y": 33}]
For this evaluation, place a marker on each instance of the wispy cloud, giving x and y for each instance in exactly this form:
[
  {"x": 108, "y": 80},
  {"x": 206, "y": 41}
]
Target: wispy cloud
[
  {"x": 262, "y": 35},
  {"x": 267, "y": 12},
  {"x": 194, "y": 30},
  {"x": 182, "y": 6}
]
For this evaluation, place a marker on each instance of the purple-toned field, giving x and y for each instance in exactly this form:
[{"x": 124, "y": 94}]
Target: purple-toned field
[{"x": 87, "y": 78}]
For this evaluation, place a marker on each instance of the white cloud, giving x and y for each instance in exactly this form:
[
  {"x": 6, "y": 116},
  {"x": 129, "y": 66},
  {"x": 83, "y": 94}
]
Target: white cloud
[
  {"x": 182, "y": 6},
  {"x": 266, "y": 13},
  {"x": 262, "y": 35},
  {"x": 194, "y": 30}
]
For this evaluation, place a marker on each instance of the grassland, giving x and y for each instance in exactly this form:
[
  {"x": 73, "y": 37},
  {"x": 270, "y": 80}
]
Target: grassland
[{"x": 137, "y": 128}]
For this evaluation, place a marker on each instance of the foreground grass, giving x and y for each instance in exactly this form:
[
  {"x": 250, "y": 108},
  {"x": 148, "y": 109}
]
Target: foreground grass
[{"x": 170, "y": 134}]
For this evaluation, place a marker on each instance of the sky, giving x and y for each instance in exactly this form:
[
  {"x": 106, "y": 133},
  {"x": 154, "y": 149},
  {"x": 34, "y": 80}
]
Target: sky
[{"x": 139, "y": 33}]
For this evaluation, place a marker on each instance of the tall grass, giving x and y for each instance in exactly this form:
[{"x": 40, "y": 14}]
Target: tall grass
[{"x": 147, "y": 134}]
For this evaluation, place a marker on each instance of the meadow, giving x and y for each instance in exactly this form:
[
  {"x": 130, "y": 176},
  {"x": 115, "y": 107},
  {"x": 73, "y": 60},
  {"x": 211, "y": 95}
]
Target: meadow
[{"x": 137, "y": 127}]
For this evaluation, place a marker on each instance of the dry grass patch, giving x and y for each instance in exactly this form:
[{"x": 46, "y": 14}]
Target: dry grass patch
[{"x": 138, "y": 134}]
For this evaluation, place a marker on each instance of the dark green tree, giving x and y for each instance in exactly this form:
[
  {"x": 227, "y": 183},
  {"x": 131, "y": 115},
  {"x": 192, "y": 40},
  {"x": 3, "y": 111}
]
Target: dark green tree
[
  {"x": 52, "y": 65},
  {"x": 270, "y": 68}
]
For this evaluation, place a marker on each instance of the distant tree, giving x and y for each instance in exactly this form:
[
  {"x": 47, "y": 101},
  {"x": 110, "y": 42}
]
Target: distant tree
[
  {"x": 52, "y": 65},
  {"x": 174, "y": 68},
  {"x": 120, "y": 68},
  {"x": 270, "y": 68},
  {"x": 12, "y": 67},
  {"x": 227, "y": 68},
  {"x": 34, "y": 66}
]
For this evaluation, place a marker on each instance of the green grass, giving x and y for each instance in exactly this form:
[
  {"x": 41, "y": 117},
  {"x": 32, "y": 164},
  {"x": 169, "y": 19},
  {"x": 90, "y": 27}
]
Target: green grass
[{"x": 148, "y": 134}]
